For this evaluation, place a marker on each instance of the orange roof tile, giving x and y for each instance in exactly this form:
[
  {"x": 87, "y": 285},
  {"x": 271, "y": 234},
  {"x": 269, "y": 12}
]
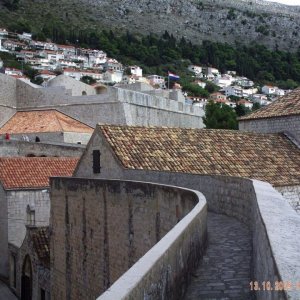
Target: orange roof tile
[
  {"x": 43, "y": 121},
  {"x": 33, "y": 172},
  {"x": 286, "y": 105},
  {"x": 267, "y": 157}
]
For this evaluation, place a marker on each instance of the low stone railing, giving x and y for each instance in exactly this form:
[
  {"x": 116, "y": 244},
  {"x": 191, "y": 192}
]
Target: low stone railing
[{"x": 165, "y": 270}]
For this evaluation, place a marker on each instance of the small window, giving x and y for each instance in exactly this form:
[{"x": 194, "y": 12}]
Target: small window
[
  {"x": 43, "y": 294},
  {"x": 30, "y": 216},
  {"x": 96, "y": 161},
  {"x": 83, "y": 93}
]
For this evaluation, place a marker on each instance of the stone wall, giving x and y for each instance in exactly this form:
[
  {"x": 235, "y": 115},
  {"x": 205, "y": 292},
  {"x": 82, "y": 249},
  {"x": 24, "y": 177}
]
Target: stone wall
[
  {"x": 290, "y": 124},
  {"x": 155, "y": 275},
  {"x": 100, "y": 228},
  {"x": 22, "y": 148},
  {"x": 17, "y": 202},
  {"x": 8, "y": 101},
  {"x": 77, "y": 87},
  {"x": 116, "y": 106},
  {"x": 3, "y": 235}
]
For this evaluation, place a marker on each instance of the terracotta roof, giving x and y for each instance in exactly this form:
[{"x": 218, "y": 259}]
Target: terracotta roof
[
  {"x": 33, "y": 172},
  {"x": 43, "y": 121},
  {"x": 41, "y": 244},
  {"x": 267, "y": 157},
  {"x": 286, "y": 105}
]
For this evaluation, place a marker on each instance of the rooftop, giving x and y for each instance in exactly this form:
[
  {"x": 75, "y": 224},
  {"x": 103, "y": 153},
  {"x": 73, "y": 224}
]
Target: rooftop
[
  {"x": 33, "y": 172},
  {"x": 286, "y": 105},
  {"x": 43, "y": 121},
  {"x": 268, "y": 157}
]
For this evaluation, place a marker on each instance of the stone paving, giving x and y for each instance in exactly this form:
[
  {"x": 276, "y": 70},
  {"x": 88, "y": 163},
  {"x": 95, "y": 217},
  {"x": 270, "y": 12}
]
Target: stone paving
[
  {"x": 224, "y": 272},
  {"x": 5, "y": 292}
]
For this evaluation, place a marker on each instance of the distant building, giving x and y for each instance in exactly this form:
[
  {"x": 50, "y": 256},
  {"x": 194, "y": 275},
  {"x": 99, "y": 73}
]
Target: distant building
[
  {"x": 246, "y": 103},
  {"x": 157, "y": 81},
  {"x": 136, "y": 71},
  {"x": 197, "y": 70}
]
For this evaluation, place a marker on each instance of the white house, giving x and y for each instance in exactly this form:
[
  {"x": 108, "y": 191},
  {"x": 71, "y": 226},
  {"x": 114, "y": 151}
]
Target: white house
[
  {"x": 197, "y": 70},
  {"x": 239, "y": 91},
  {"x": 76, "y": 74},
  {"x": 136, "y": 71},
  {"x": 156, "y": 80},
  {"x": 260, "y": 98},
  {"x": 223, "y": 81},
  {"x": 13, "y": 71},
  {"x": 112, "y": 65},
  {"x": 246, "y": 103},
  {"x": 269, "y": 90},
  {"x": 25, "y": 36},
  {"x": 3, "y": 32},
  {"x": 113, "y": 76},
  {"x": 200, "y": 83}
]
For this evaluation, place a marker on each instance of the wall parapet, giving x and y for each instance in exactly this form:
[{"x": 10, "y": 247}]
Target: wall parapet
[
  {"x": 275, "y": 225},
  {"x": 173, "y": 257}
]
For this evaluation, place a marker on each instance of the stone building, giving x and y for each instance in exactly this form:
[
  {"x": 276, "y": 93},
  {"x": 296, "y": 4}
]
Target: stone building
[
  {"x": 141, "y": 153},
  {"x": 29, "y": 274},
  {"x": 46, "y": 126},
  {"x": 282, "y": 115},
  {"x": 24, "y": 197},
  {"x": 111, "y": 105}
]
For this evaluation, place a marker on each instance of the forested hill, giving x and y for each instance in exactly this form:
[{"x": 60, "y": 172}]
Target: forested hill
[{"x": 244, "y": 21}]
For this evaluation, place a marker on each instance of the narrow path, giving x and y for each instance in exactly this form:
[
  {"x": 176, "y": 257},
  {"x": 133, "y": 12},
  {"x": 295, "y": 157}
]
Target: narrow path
[
  {"x": 5, "y": 292},
  {"x": 224, "y": 272}
]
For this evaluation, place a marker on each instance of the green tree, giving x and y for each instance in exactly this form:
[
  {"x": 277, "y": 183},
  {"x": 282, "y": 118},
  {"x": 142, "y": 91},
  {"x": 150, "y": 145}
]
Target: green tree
[
  {"x": 241, "y": 110},
  {"x": 256, "y": 106},
  {"x": 88, "y": 79},
  {"x": 218, "y": 116}
]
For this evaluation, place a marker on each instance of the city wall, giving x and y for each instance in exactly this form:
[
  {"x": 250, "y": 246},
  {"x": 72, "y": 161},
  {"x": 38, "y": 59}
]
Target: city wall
[
  {"x": 101, "y": 228},
  {"x": 22, "y": 148},
  {"x": 273, "y": 222},
  {"x": 116, "y": 106}
]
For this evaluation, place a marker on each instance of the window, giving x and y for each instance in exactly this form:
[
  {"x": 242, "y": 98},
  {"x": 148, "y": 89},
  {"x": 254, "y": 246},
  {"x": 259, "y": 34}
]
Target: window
[
  {"x": 30, "y": 216},
  {"x": 13, "y": 271},
  {"x": 43, "y": 294},
  {"x": 96, "y": 161}
]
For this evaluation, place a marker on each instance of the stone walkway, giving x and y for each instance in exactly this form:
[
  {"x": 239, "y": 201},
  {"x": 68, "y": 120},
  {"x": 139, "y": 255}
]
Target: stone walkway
[
  {"x": 5, "y": 293},
  {"x": 224, "y": 272}
]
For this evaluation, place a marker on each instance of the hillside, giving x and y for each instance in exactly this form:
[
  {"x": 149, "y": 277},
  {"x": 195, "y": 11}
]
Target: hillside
[{"x": 274, "y": 25}]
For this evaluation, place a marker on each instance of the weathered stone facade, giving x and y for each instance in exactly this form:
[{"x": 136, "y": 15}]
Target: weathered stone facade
[
  {"x": 40, "y": 268},
  {"x": 289, "y": 124},
  {"x": 101, "y": 228},
  {"x": 22, "y": 148}
]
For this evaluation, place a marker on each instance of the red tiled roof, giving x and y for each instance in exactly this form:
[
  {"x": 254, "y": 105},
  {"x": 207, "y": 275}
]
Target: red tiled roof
[
  {"x": 33, "y": 172},
  {"x": 43, "y": 121},
  {"x": 286, "y": 105},
  {"x": 268, "y": 157}
]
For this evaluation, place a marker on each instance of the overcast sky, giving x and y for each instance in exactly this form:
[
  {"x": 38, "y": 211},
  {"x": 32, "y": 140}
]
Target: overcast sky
[{"x": 288, "y": 2}]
